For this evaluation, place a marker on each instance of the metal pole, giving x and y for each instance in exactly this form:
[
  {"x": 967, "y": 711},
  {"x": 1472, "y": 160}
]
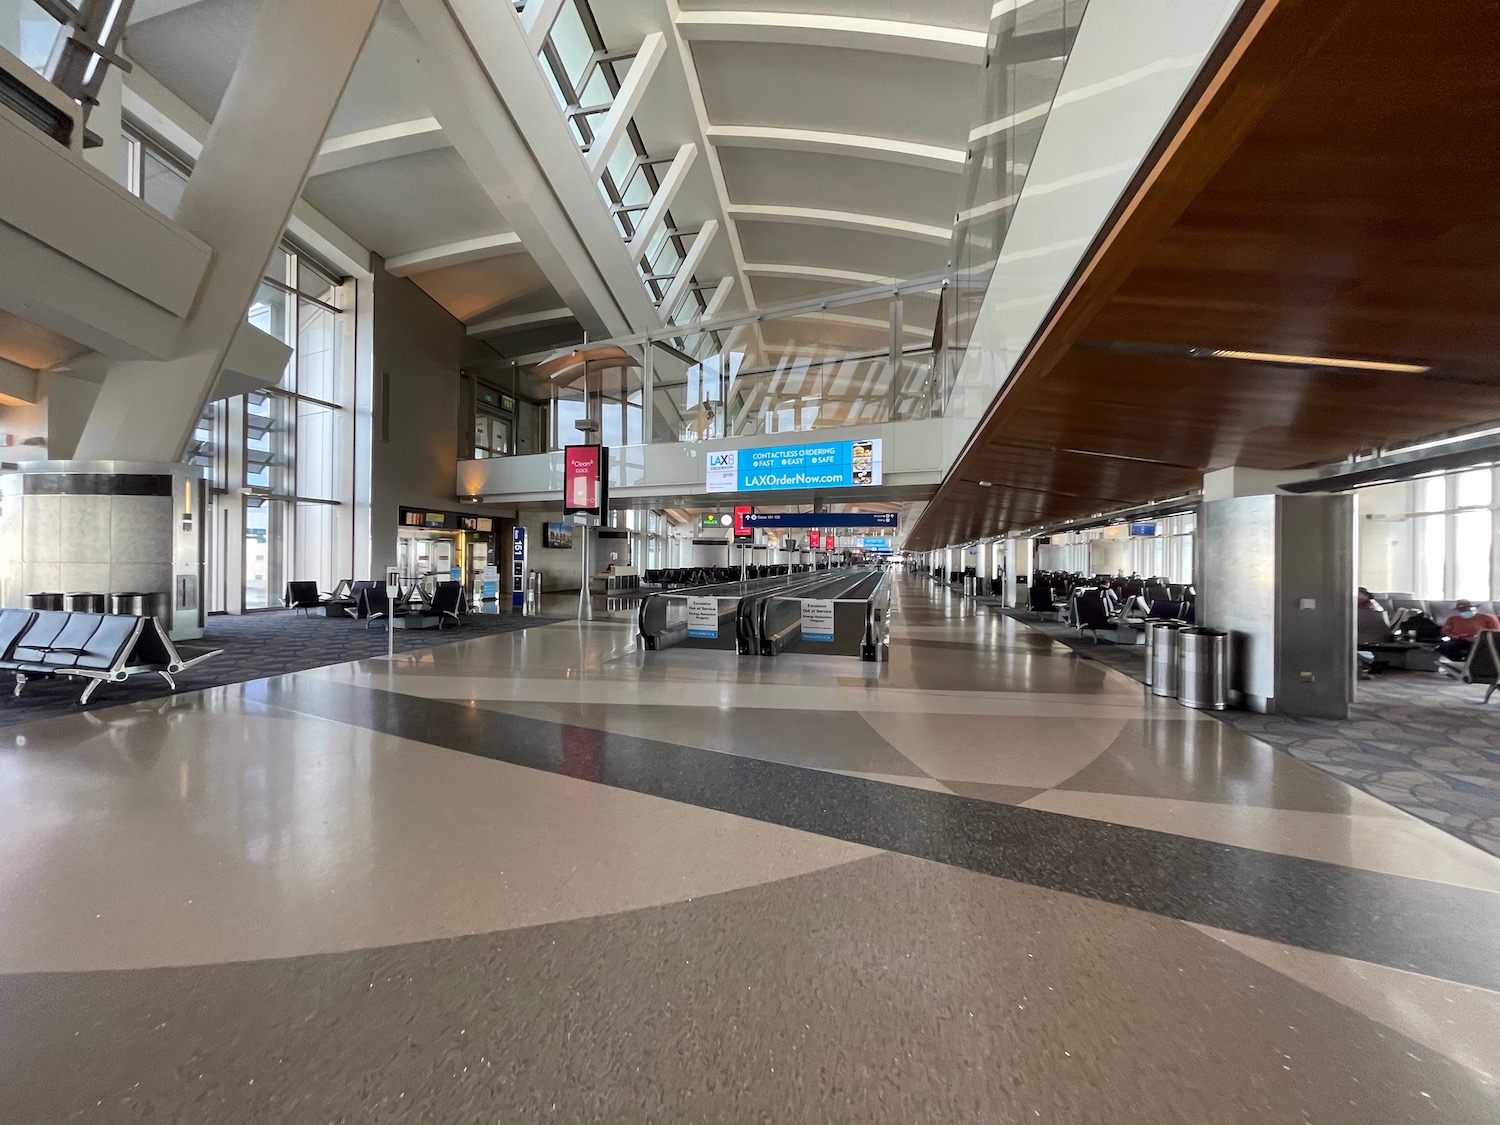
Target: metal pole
[{"x": 585, "y": 603}]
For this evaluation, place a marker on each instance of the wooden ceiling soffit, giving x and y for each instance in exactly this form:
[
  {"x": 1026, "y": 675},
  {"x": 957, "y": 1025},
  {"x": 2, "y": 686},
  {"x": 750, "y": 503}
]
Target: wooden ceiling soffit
[{"x": 1267, "y": 42}]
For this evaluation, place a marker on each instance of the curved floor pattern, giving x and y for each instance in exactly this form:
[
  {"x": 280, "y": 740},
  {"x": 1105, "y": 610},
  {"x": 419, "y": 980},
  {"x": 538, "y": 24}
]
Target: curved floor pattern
[{"x": 545, "y": 876}]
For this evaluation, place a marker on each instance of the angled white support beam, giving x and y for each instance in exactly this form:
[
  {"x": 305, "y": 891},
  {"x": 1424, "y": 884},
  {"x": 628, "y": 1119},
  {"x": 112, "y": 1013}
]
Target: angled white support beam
[
  {"x": 170, "y": 117},
  {"x": 401, "y": 138},
  {"x": 537, "y": 21},
  {"x": 671, "y": 184},
  {"x": 498, "y": 324},
  {"x": 718, "y": 298},
  {"x": 847, "y": 220},
  {"x": 817, "y": 273},
  {"x": 841, "y": 144},
  {"x": 17, "y": 383},
  {"x": 632, "y": 89},
  {"x": 678, "y": 291},
  {"x": 150, "y": 9},
  {"x": 454, "y": 254},
  {"x": 953, "y": 44}
]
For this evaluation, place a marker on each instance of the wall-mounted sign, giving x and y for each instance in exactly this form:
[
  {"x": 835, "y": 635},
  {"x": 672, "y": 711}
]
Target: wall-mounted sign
[
  {"x": 518, "y": 567},
  {"x": 1143, "y": 529},
  {"x": 835, "y": 464},
  {"x": 703, "y": 618},
  {"x": 743, "y": 532},
  {"x": 822, "y": 519},
  {"x": 817, "y": 619},
  {"x": 585, "y": 480},
  {"x": 712, "y": 522},
  {"x": 507, "y": 404}
]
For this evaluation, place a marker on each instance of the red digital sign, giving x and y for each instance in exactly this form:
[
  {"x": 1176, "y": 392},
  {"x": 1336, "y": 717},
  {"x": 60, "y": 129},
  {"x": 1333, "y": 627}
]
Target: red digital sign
[
  {"x": 583, "y": 480},
  {"x": 815, "y": 540},
  {"x": 741, "y": 532}
]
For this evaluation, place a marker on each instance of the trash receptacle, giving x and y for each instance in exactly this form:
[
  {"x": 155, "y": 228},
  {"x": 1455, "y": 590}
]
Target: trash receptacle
[
  {"x": 534, "y": 592},
  {"x": 971, "y": 586},
  {"x": 1203, "y": 668},
  {"x": 1164, "y": 657},
  {"x": 44, "y": 601},
  {"x": 79, "y": 602}
]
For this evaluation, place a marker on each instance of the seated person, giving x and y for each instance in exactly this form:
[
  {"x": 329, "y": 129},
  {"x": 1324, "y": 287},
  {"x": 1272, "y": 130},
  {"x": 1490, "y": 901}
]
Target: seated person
[
  {"x": 1367, "y": 602},
  {"x": 1460, "y": 630}
]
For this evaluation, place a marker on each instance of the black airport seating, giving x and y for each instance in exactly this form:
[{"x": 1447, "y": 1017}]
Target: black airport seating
[
  {"x": 1483, "y": 664},
  {"x": 305, "y": 596},
  {"x": 447, "y": 603},
  {"x": 98, "y": 647},
  {"x": 1092, "y": 614}
]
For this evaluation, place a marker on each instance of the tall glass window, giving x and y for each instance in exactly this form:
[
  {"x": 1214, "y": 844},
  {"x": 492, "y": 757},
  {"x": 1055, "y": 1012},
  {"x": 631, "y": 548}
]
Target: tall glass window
[{"x": 280, "y": 460}]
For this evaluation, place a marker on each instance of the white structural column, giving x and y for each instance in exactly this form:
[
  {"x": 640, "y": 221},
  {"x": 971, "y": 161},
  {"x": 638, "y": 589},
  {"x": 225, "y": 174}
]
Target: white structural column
[
  {"x": 678, "y": 292},
  {"x": 254, "y": 161},
  {"x": 661, "y": 202},
  {"x": 611, "y": 130}
]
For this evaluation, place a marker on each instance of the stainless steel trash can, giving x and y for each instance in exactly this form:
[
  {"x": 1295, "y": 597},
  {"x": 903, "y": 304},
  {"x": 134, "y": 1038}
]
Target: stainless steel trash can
[
  {"x": 534, "y": 592},
  {"x": 137, "y": 604},
  {"x": 1150, "y": 638},
  {"x": 1164, "y": 658},
  {"x": 44, "y": 601},
  {"x": 79, "y": 602},
  {"x": 1203, "y": 668},
  {"x": 971, "y": 586}
]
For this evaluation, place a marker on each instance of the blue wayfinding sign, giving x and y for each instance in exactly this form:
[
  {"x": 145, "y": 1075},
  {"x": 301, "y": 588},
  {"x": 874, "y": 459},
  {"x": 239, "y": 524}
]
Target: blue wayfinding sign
[
  {"x": 881, "y": 545},
  {"x": 821, "y": 519},
  {"x": 831, "y": 464}
]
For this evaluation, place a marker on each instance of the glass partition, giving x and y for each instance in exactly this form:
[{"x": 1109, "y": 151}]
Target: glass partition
[{"x": 1029, "y": 46}]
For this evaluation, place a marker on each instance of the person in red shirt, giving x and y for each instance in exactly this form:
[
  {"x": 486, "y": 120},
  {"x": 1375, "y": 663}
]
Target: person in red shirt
[{"x": 1461, "y": 628}]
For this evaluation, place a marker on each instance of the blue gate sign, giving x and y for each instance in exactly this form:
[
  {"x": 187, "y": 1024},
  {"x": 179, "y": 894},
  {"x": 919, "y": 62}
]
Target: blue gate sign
[{"x": 831, "y": 464}]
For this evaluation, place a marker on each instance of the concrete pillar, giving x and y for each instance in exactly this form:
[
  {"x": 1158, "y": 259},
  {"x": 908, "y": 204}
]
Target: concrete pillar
[
  {"x": 1277, "y": 572},
  {"x": 239, "y": 199}
]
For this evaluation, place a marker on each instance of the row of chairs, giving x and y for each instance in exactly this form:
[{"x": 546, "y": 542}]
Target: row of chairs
[
  {"x": 1092, "y": 608},
  {"x": 366, "y": 600},
  {"x": 100, "y": 648}
]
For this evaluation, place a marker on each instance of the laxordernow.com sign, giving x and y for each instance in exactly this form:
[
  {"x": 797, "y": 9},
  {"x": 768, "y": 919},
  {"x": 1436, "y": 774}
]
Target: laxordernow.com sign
[{"x": 834, "y": 464}]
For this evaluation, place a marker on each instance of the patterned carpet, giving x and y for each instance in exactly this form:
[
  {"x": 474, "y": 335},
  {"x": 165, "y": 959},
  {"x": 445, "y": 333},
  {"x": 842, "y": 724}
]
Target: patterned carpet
[
  {"x": 256, "y": 646},
  {"x": 1417, "y": 740}
]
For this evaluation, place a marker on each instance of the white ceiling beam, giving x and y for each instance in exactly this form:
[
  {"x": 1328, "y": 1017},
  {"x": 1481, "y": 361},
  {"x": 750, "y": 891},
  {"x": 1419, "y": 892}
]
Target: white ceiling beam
[
  {"x": 840, "y": 144},
  {"x": 818, "y": 273},
  {"x": 845, "y": 220},
  {"x": 521, "y": 320},
  {"x": 167, "y": 115},
  {"x": 386, "y": 142},
  {"x": 718, "y": 299},
  {"x": 952, "y": 44},
  {"x": 656, "y": 213},
  {"x": 678, "y": 291},
  {"x": 611, "y": 130},
  {"x": 537, "y": 21},
  {"x": 454, "y": 254},
  {"x": 150, "y": 9},
  {"x": 17, "y": 382}
]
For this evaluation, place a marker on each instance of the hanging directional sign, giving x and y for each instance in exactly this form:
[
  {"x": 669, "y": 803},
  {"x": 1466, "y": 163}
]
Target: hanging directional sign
[{"x": 822, "y": 519}]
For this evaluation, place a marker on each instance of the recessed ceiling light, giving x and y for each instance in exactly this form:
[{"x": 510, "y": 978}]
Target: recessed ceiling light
[{"x": 1319, "y": 361}]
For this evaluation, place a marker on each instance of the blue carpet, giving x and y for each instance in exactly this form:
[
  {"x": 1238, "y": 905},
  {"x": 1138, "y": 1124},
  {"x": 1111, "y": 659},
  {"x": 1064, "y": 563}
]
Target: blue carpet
[{"x": 255, "y": 646}]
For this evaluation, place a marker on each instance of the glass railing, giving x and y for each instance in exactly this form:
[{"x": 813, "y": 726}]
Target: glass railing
[
  {"x": 1029, "y": 47},
  {"x": 859, "y": 359}
]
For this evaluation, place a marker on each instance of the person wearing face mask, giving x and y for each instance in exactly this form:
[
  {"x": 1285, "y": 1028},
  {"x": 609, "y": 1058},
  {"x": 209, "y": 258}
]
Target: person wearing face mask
[{"x": 1461, "y": 628}]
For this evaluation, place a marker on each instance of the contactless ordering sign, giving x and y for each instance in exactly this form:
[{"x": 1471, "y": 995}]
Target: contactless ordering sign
[
  {"x": 834, "y": 464},
  {"x": 584, "y": 482}
]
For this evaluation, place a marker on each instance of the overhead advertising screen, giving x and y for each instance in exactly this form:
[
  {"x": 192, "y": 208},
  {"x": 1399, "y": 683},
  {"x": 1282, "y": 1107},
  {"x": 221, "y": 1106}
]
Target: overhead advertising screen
[
  {"x": 835, "y": 464},
  {"x": 822, "y": 519},
  {"x": 743, "y": 532},
  {"x": 883, "y": 546},
  {"x": 584, "y": 485}
]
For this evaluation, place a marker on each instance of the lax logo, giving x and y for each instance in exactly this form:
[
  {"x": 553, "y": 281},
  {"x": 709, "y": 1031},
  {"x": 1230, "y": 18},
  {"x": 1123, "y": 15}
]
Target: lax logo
[{"x": 723, "y": 470}]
